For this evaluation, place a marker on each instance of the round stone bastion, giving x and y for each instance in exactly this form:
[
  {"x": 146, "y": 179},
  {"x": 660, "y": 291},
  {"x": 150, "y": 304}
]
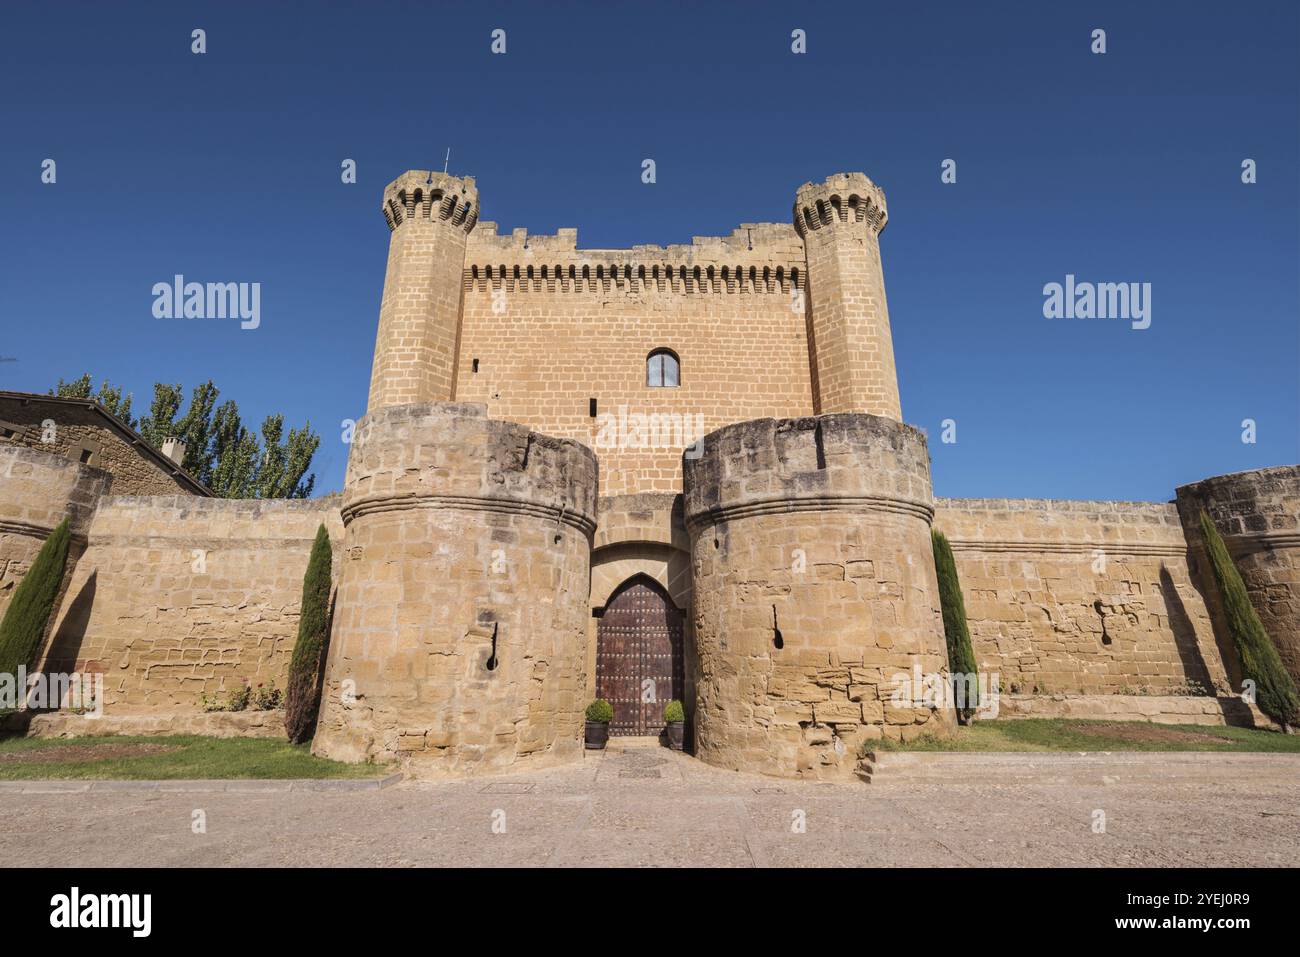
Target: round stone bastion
[
  {"x": 460, "y": 626},
  {"x": 814, "y": 592},
  {"x": 1258, "y": 514}
]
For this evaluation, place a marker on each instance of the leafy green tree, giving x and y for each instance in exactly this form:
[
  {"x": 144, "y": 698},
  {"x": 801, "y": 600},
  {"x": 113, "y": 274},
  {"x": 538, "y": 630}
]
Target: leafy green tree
[
  {"x": 280, "y": 473},
  {"x": 1275, "y": 691},
  {"x": 109, "y": 396},
  {"x": 29, "y": 610},
  {"x": 235, "y": 454},
  {"x": 160, "y": 424},
  {"x": 306, "y": 668},
  {"x": 220, "y": 451},
  {"x": 195, "y": 429},
  {"x": 961, "y": 655}
]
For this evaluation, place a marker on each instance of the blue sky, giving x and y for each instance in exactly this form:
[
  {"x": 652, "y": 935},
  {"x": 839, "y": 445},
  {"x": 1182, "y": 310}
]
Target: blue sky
[{"x": 1122, "y": 167}]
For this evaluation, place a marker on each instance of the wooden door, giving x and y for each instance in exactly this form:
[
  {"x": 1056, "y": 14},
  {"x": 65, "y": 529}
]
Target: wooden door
[{"x": 639, "y": 665}]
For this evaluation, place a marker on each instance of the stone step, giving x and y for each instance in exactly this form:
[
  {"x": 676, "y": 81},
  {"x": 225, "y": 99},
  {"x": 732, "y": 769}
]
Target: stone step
[{"x": 1048, "y": 766}]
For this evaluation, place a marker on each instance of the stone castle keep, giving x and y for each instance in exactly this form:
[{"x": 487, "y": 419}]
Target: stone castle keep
[{"x": 591, "y": 473}]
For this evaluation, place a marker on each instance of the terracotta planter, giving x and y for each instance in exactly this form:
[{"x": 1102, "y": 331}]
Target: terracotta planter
[
  {"x": 676, "y": 731},
  {"x": 597, "y": 735}
]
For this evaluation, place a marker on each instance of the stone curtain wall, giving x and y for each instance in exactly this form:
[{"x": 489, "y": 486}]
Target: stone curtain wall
[
  {"x": 814, "y": 588},
  {"x": 177, "y": 596},
  {"x": 1085, "y": 597},
  {"x": 37, "y": 491},
  {"x": 460, "y": 634},
  {"x": 1258, "y": 515},
  {"x": 545, "y": 345}
]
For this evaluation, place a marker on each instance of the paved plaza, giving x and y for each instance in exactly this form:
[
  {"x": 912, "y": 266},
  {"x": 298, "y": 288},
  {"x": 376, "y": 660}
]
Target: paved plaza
[{"x": 642, "y": 806}]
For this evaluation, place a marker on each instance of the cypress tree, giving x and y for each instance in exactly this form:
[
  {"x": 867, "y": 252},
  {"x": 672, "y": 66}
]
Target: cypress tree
[
  {"x": 29, "y": 610},
  {"x": 302, "y": 699},
  {"x": 1275, "y": 691},
  {"x": 961, "y": 656}
]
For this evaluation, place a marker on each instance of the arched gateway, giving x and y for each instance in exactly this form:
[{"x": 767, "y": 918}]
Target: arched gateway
[{"x": 639, "y": 665}]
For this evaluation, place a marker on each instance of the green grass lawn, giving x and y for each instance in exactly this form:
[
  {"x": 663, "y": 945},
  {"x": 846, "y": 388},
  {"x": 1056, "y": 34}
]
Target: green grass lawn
[
  {"x": 1074, "y": 734},
  {"x": 167, "y": 758}
]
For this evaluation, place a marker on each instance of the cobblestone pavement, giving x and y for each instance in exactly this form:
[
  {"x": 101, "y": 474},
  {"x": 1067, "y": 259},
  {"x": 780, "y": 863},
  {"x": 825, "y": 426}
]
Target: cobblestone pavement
[{"x": 653, "y": 807}]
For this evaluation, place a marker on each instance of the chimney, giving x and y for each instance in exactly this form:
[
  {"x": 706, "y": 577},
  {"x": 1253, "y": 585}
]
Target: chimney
[{"x": 174, "y": 449}]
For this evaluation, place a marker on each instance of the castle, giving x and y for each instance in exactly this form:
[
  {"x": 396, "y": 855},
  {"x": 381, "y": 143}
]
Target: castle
[{"x": 641, "y": 474}]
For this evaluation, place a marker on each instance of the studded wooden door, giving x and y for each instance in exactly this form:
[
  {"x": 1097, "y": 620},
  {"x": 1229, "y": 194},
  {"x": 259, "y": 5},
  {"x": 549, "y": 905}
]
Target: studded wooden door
[{"x": 639, "y": 657}]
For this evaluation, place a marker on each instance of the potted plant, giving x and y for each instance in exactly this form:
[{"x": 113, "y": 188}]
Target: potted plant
[
  {"x": 675, "y": 715},
  {"x": 599, "y": 714}
]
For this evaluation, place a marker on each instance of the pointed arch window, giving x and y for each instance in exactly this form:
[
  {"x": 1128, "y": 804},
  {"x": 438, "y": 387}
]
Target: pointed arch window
[{"x": 663, "y": 369}]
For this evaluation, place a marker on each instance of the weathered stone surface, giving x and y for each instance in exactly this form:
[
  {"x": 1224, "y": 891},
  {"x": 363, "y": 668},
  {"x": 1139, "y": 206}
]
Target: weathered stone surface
[
  {"x": 216, "y": 724},
  {"x": 1160, "y": 709},
  {"x": 1082, "y": 597},
  {"x": 1258, "y": 515},
  {"x": 789, "y": 502},
  {"x": 460, "y": 635},
  {"x": 38, "y": 490},
  {"x": 180, "y": 596}
]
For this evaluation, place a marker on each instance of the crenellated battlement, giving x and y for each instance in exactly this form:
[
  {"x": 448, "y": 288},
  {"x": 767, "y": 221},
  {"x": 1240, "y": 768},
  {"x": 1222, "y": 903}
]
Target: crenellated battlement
[
  {"x": 847, "y": 198},
  {"x": 769, "y": 239},
  {"x": 421, "y": 194},
  {"x": 755, "y": 258},
  {"x": 848, "y": 318}
]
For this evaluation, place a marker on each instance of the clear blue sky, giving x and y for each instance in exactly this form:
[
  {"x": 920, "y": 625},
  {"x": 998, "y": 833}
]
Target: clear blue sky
[{"x": 1120, "y": 167}]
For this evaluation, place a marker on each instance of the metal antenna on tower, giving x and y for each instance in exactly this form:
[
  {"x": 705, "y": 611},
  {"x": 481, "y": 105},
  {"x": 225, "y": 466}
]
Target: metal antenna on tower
[{"x": 446, "y": 161}]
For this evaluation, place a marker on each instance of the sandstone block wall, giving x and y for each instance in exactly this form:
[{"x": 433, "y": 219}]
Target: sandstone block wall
[
  {"x": 37, "y": 491},
  {"x": 1258, "y": 515},
  {"x": 852, "y": 348},
  {"x": 460, "y": 631},
  {"x": 1086, "y": 597},
  {"x": 814, "y": 587},
  {"x": 547, "y": 327},
  {"x": 774, "y": 320},
  {"x": 179, "y": 596},
  {"x": 430, "y": 215},
  {"x": 642, "y": 534}
]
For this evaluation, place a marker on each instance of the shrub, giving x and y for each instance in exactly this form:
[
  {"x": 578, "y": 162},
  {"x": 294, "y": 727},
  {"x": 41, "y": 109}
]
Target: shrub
[
  {"x": 267, "y": 699},
  {"x": 961, "y": 656},
  {"x": 238, "y": 700},
  {"x": 673, "y": 711},
  {"x": 302, "y": 702},
  {"x": 1275, "y": 691},
  {"x": 29, "y": 610},
  {"x": 600, "y": 710}
]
